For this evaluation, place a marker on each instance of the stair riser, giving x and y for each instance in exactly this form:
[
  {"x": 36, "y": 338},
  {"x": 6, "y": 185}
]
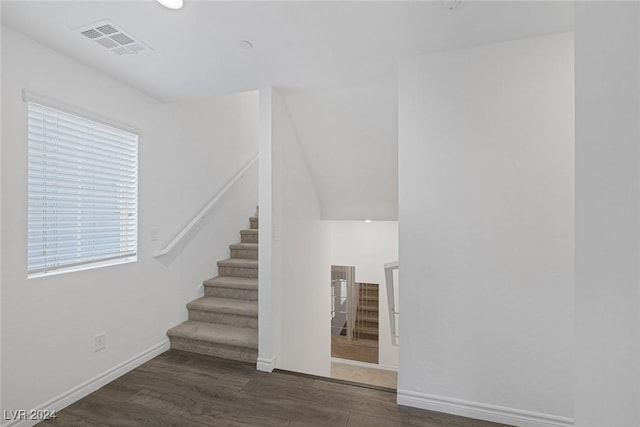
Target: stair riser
[
  {"x": 249, "y": 238},
  {"x": 366, "y": 324},
  {"x": 224, "y": 318},
  {"x": 211, "y": 291},
  {"x": 218, "y": 350},
  {"x": 368, "y": 304},
  {"x": 369, "y": 314},
  {"x": 254, "y": 223},
  {"x": 238, "y": 272},
  {"x": 244, "y": 254}
]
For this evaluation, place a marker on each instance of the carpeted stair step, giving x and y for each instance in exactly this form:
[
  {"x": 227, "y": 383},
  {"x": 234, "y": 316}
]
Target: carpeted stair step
[
  {"x": 369, "y": 295},
  {"x": 368, "y": 305},
  {"x": 368, "y": 309},
  {"x": 238, "y": 267},
  {"x": 249, "y": 236},
  {"x": 363, "y": 324},
  {"x": 244, "y": 250},
  {"x": 224, "y": 322},
  {"x": 229, "y": 342},
  {"x": 367, "y": 317},
  {"x": 224, "y": 311},
  {"x": 232, "y": 287}
]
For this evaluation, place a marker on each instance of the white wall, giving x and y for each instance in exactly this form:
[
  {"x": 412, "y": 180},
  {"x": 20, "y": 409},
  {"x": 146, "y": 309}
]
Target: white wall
[
  {"x": 607, "y": 216},
  {"x": 486, "y": 190},
  {"x": 49, "y": 324},
  {"x": 350, "y": 137},
  {"x": 368, "y": 246},
  {"x": 213, "y": 140},
  {"x": 1, "y": 406},
  {"x": 298, "y": 301},
  {"x": 269, "y": 282}
]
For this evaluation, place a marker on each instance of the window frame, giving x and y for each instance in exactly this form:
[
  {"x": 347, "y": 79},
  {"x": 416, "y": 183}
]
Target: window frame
[{"x": 128, "y": 238}]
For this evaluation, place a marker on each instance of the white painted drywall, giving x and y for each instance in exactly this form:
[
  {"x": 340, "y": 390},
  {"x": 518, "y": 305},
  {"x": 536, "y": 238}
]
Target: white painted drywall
[
  {"x": 607, "y": 217},
  {"x": 350, "y": 137},
  {"x": 0, "y": 223},
  {"x": 486, "y": 202},
  {"x": 187, "y": 153},
  {"x": 300, "y": 256},
  {"x": 269, "y": 286},
  {"x": 368, "y": 246},
  {"x": 210, "y": 141}
]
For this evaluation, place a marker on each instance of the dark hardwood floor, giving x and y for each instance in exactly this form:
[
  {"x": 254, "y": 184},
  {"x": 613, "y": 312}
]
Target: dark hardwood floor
[{"x": 189, "y": 390}]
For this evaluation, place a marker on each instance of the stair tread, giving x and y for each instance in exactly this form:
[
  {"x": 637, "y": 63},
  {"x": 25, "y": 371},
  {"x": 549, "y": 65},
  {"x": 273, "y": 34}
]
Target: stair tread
[
  {"x": 239, "y": 263},
  {"x": 225, "y": 305},
  {"x": 233, "y": 282},
  {"x": 249, "y": 231},
  {"x": 365, "y": 318},
  {"x": 216, "y": 333},
  {"x": 245, "y": 246}
]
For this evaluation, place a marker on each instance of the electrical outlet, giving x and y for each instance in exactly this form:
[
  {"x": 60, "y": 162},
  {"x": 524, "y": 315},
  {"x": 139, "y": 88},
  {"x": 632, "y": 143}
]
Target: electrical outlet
[
  {"x": 100, "y": 341},
  {"x": 277, "y": 233},
  {"x": 154, "y": 234}
]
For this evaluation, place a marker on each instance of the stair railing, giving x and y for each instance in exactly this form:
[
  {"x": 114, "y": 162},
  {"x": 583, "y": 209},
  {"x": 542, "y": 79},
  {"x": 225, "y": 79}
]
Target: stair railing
[
  {"x": 392, "y": 300},
  {"x": 205, "y": 210}
]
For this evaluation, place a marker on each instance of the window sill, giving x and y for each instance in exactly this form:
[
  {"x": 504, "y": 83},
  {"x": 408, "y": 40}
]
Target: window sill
[{"x": 83, "y": 267}]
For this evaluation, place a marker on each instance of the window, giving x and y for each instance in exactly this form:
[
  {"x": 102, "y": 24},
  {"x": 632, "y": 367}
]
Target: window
[{"x": 82, "y": 193}]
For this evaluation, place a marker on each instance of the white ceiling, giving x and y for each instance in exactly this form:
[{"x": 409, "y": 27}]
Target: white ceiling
[
  {"x": 337, "y": 60},
  {"x": 300, "y": 44}
]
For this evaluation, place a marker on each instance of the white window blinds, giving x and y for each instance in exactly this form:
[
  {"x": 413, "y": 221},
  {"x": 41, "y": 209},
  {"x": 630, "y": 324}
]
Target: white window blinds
[{"x": 83, "y": 192}]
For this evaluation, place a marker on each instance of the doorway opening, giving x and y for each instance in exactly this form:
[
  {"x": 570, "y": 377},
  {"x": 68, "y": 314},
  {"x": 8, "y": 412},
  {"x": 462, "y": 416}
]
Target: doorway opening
[
  {"x": 355, "y": 330},
  {"x": 354, "y": 316}
]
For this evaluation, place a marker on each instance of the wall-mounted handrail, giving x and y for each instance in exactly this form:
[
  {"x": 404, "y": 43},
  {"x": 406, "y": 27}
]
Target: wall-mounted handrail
[
  {"x": 203, "y": 212},
  {"x": 394, "y": 311}
]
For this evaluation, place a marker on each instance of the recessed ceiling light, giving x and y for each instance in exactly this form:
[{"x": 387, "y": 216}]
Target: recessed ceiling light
[
  {"x": 368, "y": 221},
  {"x": 171, "y": 4},
  {"x": 246, "y": 44}
]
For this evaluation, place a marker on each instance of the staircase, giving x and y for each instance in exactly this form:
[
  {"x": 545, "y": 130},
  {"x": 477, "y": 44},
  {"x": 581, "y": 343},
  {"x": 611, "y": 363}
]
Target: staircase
[
  {"x": 224, "y": 322},
  {"x": 366, "y": 325}
]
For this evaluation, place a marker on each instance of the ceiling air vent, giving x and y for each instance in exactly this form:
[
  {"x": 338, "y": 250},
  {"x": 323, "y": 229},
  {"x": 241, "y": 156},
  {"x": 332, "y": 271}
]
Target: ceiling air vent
[{"x": 113, "y": 38}]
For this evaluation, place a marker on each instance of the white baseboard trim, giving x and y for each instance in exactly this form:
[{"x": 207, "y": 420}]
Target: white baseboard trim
[
  {"x": 265, "y": 364},
  {"x": 364, "y": 364},
  {"x": 481, "y": 411},
  {"x": 76, "y": 393}
]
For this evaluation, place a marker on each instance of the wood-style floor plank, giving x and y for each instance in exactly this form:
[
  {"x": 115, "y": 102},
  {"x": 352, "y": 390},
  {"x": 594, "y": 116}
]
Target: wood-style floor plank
[{"x": 190, "y": 390}]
